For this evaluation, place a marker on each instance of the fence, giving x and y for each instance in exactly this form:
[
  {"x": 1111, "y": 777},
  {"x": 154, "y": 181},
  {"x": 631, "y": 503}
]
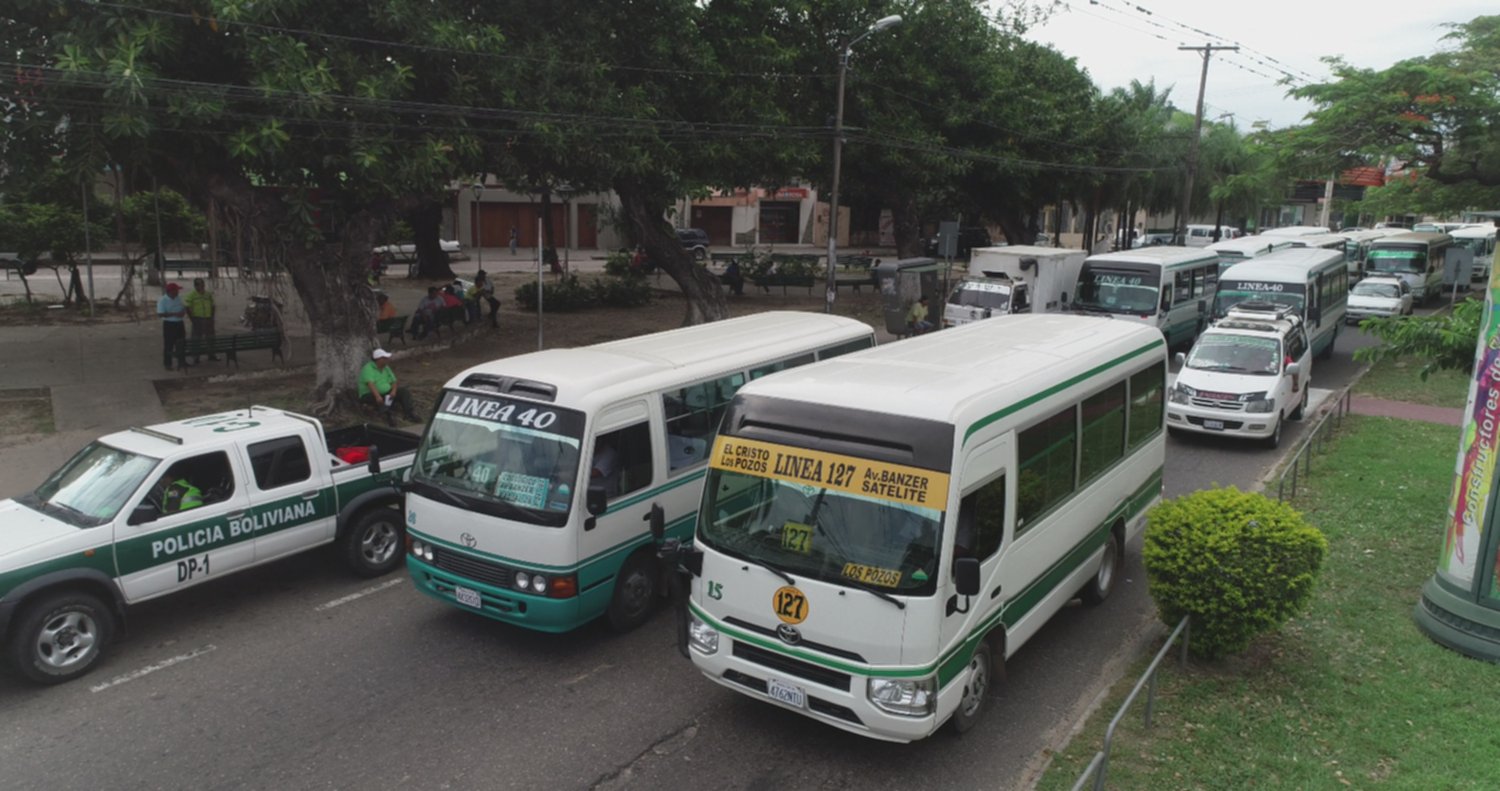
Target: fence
[
  {"x": 1098, "y": 767},
  {"x": 1316, "y": 439}
]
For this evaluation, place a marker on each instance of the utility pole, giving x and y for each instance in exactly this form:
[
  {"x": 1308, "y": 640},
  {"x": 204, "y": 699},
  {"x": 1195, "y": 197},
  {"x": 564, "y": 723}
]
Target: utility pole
[{"x": 1192, "y": 165}]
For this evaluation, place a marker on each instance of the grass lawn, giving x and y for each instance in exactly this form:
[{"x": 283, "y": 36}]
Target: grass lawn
[
  {"x": 24, "y": 414},
  {"x": 1349, "y": 694},
  {"x": 1398, "y": 380}
]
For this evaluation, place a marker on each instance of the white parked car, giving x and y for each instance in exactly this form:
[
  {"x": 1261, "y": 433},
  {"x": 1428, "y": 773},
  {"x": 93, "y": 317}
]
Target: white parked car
[
  {"x": 1378, "y": 296},
  {"x": 1245, "y": 376}
]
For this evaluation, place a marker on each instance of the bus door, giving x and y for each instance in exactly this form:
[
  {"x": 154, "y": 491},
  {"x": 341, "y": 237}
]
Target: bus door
[
  {"x": 980, "y": 531},
  {"x": 622, "y": 471}
]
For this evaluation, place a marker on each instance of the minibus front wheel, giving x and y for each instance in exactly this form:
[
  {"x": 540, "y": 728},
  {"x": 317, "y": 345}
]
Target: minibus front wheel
[{"x": 978, "y": 680}]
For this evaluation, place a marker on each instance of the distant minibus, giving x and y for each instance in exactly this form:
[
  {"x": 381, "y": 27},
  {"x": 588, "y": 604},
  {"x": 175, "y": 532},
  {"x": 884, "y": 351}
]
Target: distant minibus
[
  {"x": 1169, "y": 288},
  {"x": 1357, "y": 248},
  {"x": 881, "y": 532},
  {"x": 1296, "y": 230},
  {"x": 1204, "y": 235},
  {"x": 538, "y": 478},
  {"x": 1311, "y": 280},
  {"x": 1480, "y": 240},
  {"x": 1233, "y": 251},
  {"x": 1416, "y": 258}
]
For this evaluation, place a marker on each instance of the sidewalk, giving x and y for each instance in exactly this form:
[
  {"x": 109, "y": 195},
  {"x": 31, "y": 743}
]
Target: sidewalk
[{"x": 1380, "y": 407}]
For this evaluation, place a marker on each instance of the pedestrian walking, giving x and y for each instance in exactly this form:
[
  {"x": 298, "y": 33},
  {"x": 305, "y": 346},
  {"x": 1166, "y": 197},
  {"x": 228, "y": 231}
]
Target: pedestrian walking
[
  {"x": 200, "y": 309},
  {"x": 484, "y": 291},
  {"x": 171, "y": 310},
  {"x": 515, "y": 238}
]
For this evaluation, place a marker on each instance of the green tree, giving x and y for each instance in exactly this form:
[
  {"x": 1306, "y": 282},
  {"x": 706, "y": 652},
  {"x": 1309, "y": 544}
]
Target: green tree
[{"x": 1443, "y": 341}]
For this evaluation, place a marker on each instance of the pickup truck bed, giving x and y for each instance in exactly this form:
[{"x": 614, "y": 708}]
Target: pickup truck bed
[{"x": 390, "y": 441}]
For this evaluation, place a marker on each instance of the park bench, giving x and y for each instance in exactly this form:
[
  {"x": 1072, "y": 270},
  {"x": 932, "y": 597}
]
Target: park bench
[
  {"x": 231, "y": 345},
  {"x": 856, "y": 261},
  {"x": 392, "y": 328},
  {"x": 183, "y": 265},
  {"x": 766, "y": 281}
]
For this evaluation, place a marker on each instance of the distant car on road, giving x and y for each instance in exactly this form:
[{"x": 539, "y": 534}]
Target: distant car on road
[
  {"x": 695, "y": 241},
  {"x": 1378, "y": 296}
]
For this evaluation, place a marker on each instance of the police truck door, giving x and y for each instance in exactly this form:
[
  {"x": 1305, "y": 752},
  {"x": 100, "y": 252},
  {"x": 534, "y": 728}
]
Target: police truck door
[{"x": 184, "y": 527}]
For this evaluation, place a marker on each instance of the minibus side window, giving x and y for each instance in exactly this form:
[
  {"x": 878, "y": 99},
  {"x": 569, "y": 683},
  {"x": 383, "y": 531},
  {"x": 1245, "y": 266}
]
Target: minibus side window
[
  {"x": 855, "y": 345},
  {"x": 1145, "y": 404},
  {"x": 981, "y": 521},
  {"x": 1184, "y": 287},
  {"x": 779, "y": 365},
  {"x": 1047, "y": 455},
  {"x": 692, "y": 418},
  {"x": 622, "y": 460},
  {"x": 1103, "y": 431}
]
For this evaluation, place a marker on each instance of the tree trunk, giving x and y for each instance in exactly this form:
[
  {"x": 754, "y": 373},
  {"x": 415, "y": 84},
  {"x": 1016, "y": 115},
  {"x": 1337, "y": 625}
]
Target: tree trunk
[
  {"x": 426, "y": 221},
  {"x": 906, "y": 225},
  {"x": 644, "y": 206}
]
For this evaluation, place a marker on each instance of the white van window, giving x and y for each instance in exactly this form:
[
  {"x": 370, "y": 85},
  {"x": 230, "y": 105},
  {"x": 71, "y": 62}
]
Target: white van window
[
  {"x": 1103, "y": 431},
  {"x": 981, "y": 522},
  {"x": 1047, "y": 454},
  {"x": 622, "y": 460},
  {"x": 1146, "y": 405},
  {"x": 779, "y": 365}
]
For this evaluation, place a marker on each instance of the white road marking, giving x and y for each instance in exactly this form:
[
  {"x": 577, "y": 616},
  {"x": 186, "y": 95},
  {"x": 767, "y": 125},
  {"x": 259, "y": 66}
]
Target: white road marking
[
  {"x": 574, "y": 680},
  {"x": 149, "y": 669},
  {"x": 358, "y": 595}
]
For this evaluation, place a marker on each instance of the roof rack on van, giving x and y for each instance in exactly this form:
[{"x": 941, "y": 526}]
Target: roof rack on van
[
  {"x": 507, "y": 385},
  {"x": 1259, "y": 310}
]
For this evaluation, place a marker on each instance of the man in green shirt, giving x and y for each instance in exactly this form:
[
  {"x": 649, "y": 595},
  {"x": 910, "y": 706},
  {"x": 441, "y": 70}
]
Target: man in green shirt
[
  {"x": 378, "y": 386},
  {"x": 200, "y": 310}
]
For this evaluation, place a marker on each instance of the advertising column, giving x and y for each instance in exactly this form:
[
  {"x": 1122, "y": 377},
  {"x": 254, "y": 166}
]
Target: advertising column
[{"x": 1460, "y": 605}]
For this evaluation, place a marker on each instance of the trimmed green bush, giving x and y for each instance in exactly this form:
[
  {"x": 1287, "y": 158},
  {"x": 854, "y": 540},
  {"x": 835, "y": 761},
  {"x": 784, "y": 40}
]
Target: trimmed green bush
[
  {"x": 1241, "y": 564},
  {"x": 630, "y": 291},
  {"x": 562, "y": 295}
]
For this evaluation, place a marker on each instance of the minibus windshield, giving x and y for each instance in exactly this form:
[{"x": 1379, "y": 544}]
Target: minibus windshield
[
  {"x": 1398, "y": 260},
  {"x": 504, "y": 457},
  {"x": 1117, "y": 288},
  {"x": 828, "y": 535}
]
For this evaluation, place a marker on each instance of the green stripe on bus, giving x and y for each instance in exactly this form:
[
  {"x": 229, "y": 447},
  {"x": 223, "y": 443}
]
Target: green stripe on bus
[
  {"x": 650, "y": 493},
  {"x": 1058, "y": 388}
]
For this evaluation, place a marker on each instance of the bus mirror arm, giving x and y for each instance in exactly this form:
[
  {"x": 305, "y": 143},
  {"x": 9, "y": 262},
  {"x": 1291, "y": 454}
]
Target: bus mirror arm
[
  {"x": 658, "y": 519},
  {"x": 965, "y": 583}
]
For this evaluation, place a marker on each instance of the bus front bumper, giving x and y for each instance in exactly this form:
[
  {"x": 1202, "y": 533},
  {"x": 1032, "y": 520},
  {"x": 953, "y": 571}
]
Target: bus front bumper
[{"x": 502, "y": 604}]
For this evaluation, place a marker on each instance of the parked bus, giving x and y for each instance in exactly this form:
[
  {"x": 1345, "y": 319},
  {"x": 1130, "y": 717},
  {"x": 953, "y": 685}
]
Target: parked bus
[
  {"x": 881, "y": 532},
  {"x": 1416, "y": 258},
  {"x": 529, "y": 496},
  {"x": 1233, "y": 251},
  {"x": 1312, "y": 280},
  {"x": 1169, "y": 288},
  {"x": 1480, "y": 240}
]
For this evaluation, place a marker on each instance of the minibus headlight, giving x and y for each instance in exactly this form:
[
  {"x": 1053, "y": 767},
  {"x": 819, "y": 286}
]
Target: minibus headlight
[
  {"x": 703, "y": 638},
  {"x": 538, "y": 583},
  {"x": 1180, "y": 394},
  {"x": 1261, "y": 405},
  {"x": 908, "y": 697},
  {"x": 523, "y": 581},
  {"x": 427, "y": 552}
]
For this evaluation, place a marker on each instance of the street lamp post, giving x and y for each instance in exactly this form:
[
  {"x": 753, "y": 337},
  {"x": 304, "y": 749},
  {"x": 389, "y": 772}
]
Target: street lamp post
[
  {"x": 838, "y": 150},
  {"x": 478, "y": 189}
]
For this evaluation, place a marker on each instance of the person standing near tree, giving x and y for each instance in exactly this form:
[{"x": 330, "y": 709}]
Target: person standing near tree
[
  {"x": 483, "y": 290},
  {"x": 515, "y": 238},
  {"x": 200, "y": 311},
  {"x": 171, "y": 310},
  {"x": 379, "y": 387}
]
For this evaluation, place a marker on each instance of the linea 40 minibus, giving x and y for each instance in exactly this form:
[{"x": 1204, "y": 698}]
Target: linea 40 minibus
[
  {"x": 1169, "y": 288},
  {"x": 1313, "y": 282},
  {"x": 880, "y": 532},
  {"x": 540, "y": 475}
]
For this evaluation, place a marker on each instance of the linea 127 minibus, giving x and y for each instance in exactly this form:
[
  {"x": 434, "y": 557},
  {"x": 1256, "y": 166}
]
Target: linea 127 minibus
[
  {"x": 1416, "y": 258},
  {"x": 1313, "y": 281},
  {"x": 540, "y": 475},
  {"x": 1169, "y": 288},
  {"x": 880, "y": 532}
]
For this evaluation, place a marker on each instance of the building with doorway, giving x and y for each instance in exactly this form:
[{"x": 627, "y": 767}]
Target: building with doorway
[
  {"x": 579, "y": 221},
  {"x": 762, "y": 217}
]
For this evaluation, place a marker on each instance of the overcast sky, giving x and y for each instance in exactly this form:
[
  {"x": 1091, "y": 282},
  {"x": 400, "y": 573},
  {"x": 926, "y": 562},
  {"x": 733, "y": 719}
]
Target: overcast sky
[{"x": 1116, "y": 43}]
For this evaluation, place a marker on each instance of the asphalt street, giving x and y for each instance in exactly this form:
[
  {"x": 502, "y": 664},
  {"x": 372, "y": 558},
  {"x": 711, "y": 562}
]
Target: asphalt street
[{"x": 296, "y": 675}]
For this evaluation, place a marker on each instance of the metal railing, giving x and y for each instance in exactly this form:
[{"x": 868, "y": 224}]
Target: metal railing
[
  {"x": 1098, "y": 767},
  {"x": 1314, "y": 442}
]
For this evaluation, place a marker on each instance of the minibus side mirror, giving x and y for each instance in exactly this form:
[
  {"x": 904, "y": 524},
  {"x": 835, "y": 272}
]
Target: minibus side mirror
[
  {"x": 374, "y": 460},
  {"x": 596, "y": 500},
  {"x": 1316, "y": 314},
  {"x": 143, "y": 513},
  {"x": 1166, "y": 300},
  {"x": 1064, "y": 297},
  {"x": 658, "y": 519},
  {"x": 1179, "y": 359},
  {"x": 966, "y": 576}
]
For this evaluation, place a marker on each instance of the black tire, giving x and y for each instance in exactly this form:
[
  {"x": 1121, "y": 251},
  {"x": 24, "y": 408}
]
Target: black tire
[
  {"x": 1274, "y": 441},
  {"x": 1327, "y": 353},
  {"x": 59, "y": 637},
  {"x": 635, "y": 592},
  {"x": 1176, "y": 433},
  {"x": 977, "y": 685},
  {"x": 1098, "y": 589},
  {"x": 1302, "y": 405},
  {"x": 372, "y": 545}
]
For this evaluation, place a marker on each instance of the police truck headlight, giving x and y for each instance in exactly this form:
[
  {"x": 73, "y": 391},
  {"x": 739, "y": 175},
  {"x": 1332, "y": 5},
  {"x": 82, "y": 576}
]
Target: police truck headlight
[
  {"x": 908, "y": 697},
  {"x": 1261, "y": 405},
  {"x": 703, "y": 638},
  {"x": 522, "y": 581}
]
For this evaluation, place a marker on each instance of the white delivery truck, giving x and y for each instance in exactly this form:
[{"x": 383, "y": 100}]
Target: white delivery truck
[
  {"x": 148, "y": 512},
  {"x": 1019, "y": 279}
]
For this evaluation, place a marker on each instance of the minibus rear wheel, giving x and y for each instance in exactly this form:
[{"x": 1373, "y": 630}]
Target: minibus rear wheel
[{"x": 1103, "y": 582}]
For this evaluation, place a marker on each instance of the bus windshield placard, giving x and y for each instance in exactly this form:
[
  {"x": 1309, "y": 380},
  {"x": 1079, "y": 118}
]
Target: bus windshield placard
[{"x": 894, "y": 482}]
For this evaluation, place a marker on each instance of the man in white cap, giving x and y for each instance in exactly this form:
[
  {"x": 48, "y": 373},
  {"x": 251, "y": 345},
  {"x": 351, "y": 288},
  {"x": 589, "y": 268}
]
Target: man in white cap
[
  {"x": 173, "y": 334},
  {"x": 378, "y": 386}
]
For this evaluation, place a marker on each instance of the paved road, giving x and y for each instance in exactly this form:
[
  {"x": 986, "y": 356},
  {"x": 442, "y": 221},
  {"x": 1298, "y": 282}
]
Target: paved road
[{"x": 258, "y": 682}]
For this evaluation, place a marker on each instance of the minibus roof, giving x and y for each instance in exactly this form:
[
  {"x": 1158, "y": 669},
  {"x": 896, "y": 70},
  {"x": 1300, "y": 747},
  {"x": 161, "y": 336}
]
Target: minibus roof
[
  {"x": 1256, "y": 245},
  {"x": 1473, "y": 232},
  {"x": 1284, "y": 266},
  {"x": 1413, "y": 237},
  {"x": 965, "y": 373},
  {"x": 1164, "y": 255},
  {"x": 1296, "y": 230}
]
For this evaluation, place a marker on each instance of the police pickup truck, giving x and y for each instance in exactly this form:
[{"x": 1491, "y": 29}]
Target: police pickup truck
[{"x": 150, "y": 511}]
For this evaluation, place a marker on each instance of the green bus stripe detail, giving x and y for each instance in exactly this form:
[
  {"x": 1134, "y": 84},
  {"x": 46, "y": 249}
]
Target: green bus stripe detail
[
  {"x": 650, "y": 493},
  {"x": 1058, "y": 388},
  {"x": 682, "y": 525},
  {"x": 950, "y": 663}
]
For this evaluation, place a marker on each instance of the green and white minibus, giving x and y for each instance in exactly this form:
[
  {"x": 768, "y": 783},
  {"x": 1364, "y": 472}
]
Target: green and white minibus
[
  {"x": 538, "y": 479},
  {"x": 1169, "y": 288},
  {"x": 881, "y": 532},
  {"x": 1357, "y": 249},
  {"x": 1313, "y": 280},
  {"x": 1480, "y": 240},
  {"x": 1415, "y": 257},
  {"x": 1233, "y": 251}
]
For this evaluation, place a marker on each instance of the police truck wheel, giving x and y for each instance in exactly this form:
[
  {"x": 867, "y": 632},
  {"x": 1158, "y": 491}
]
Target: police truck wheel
[
  {"x": 372, "y": 546},
  {"x": 1103, "y": 582},
  {"x": 977, "y": 680},
  {"x": 635, "y": 593},
  {"x": 60, "y": 637}
]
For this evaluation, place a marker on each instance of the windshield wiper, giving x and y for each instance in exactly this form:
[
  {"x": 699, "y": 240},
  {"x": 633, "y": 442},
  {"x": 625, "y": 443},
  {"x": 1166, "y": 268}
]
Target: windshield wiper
[
  {"x": 774, "y": 569},
  {"x": 867, "y": 588}
]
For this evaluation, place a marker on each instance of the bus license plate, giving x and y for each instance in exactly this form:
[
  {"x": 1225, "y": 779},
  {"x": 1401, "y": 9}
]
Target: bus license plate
[
  {"x": 786, "y": 693},
  {"x": 1216, "y": 425},
  {"x": 467, "y": 596}
]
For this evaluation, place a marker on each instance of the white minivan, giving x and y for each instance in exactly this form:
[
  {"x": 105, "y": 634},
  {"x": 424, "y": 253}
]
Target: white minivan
[{"x": 1245, "y": 376}]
